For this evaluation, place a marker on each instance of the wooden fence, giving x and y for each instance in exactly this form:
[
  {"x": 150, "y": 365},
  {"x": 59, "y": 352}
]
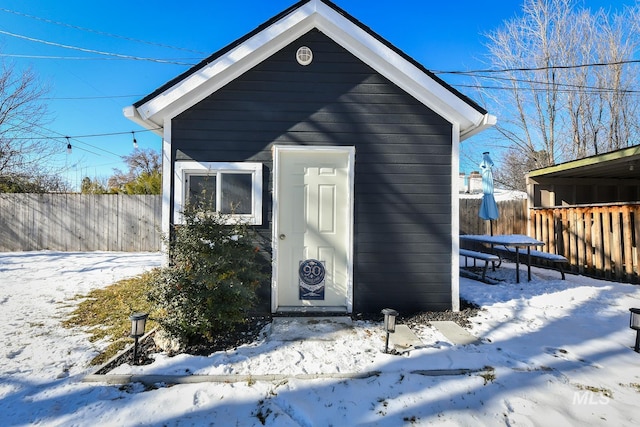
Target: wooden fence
[
  {"x": 513, "y": 217},
  {"x": 80, "y": 222},
  {"x": 598, "y": 240}
]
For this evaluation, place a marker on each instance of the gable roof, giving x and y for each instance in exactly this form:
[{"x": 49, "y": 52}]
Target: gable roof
[{"x": 238, "y": 57}]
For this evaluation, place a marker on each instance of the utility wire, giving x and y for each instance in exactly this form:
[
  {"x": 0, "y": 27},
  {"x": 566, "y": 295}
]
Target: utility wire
[
  {"x": 84, "y": 58},
  {"x": 102, "y": 33},
  {"x": 82, "y": 98},
  {"x": 98, "y": 52},
  {"x": 545, "y": 68},
  {"x": 531, "y": 89},
  {"x": 570, "y": 85},
  {"x": 73, "y": 58}
]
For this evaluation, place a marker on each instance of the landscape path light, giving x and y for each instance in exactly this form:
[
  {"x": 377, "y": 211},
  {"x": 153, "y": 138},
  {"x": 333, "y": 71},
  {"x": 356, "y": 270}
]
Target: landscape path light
[
  {"x": 634, "y": 323},
  {"x": 389, "y": 325},
  {"x": 138, "y": 323}
]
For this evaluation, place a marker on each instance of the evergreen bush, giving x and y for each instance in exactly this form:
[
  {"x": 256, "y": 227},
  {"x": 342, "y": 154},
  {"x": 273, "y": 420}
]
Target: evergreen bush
[{"x": 211, "y": 281}]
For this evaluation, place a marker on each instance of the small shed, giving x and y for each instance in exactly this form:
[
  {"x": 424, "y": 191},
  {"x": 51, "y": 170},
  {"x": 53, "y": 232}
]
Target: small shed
[{"x": 334, "y": 144}]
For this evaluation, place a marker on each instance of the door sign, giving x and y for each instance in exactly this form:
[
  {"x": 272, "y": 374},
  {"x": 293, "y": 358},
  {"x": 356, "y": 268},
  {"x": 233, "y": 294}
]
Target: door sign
[{"x": 311, "y": 274}]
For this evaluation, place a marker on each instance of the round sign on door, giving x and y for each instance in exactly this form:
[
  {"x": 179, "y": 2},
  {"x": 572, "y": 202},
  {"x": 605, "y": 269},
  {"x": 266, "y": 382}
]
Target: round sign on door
[{"x": 311, "y": 279}]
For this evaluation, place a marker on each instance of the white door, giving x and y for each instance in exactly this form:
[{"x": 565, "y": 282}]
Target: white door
[{"x": 312, "y": 229}]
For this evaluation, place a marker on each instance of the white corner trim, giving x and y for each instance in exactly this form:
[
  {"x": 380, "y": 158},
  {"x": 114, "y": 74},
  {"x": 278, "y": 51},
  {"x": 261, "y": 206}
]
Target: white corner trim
[
  {"x": 455, "y": 220},
  {"x": 166, "y": 186}
]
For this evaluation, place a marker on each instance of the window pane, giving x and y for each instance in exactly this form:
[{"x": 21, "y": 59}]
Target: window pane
[
  {"x": 236, "y": 193},
  {"x": 202, "y": 192}
]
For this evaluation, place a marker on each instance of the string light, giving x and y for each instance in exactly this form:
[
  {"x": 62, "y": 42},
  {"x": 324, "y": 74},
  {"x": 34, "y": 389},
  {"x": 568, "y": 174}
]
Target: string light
[
  {"x": 135, "y": 143},
  {"x": 68, "y": 145}
]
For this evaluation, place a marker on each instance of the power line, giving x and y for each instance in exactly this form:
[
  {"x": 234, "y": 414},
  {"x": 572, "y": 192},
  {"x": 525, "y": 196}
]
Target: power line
[
  {"x": 102, "y": 33},
  {"x": 532, "y": 89},
  {"x": 98, "y": 52},
  {"x": 74, "y": 58},
  {"x": 561, "y": 84},
  {"x": 545, "y": 68},
  {"x": 82, "y": 98},
  {"x": 82, "y": 58}
]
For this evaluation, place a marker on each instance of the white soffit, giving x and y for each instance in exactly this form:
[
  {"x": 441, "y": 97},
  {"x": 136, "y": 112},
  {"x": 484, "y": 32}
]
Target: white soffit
[{"x": 314, "y": 14}]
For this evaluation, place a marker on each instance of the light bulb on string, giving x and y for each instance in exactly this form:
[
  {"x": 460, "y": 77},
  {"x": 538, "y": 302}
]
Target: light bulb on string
[
  {"x": 135, "y": 143},
  {"x": 68, "y": 145}
]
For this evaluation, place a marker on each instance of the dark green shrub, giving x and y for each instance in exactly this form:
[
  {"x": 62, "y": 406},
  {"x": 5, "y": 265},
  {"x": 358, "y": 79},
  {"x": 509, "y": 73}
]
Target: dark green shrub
[{"x": 211, "y": 280}]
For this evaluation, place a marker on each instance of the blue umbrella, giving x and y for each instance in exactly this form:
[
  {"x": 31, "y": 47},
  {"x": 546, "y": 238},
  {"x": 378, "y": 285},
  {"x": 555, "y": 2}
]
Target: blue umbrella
[{"x": 488, "y": 207}]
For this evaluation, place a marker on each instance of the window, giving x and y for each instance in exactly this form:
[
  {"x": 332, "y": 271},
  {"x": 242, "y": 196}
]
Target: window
[{"x": 228, "y": 188}]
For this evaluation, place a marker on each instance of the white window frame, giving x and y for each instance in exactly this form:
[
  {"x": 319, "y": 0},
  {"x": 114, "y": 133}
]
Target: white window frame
[{"x": 183, "y": 169}]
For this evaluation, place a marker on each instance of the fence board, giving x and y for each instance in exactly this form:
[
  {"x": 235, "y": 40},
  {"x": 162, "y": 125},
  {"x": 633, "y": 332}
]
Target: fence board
[
  {"x": 627, "y": 233},
  {"x": 588, "y": 242},
  {"x": 512, "y": 220},
  {"x": 80, "y": 222},
  {"x": 597, "y": 240},
  {"x": 636, "y": 236}
]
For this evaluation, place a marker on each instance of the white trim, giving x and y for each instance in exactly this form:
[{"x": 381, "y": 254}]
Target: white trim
[
  {"x": 455, "y": 220},
  {"x": 313, "y": 14},
  {"x": 277, "y": 150},
  {"x": 184, "y": 168},
  {"x": 226, "y": 68},
  {"x": 166, "y": 187}
]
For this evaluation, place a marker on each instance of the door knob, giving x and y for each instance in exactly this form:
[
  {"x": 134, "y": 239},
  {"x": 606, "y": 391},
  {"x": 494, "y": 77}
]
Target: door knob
[{"x": 282, "y": 237}]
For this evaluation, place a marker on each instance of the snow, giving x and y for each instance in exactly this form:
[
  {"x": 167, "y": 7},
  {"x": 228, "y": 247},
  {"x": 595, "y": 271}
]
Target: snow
[
  {"x": 552, "y": 352},
  {"x": 498, "y": 194}
]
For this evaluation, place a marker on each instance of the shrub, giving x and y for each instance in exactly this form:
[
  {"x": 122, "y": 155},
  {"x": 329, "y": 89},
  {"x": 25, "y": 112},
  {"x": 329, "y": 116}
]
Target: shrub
[{"x": 211, "y": 280}]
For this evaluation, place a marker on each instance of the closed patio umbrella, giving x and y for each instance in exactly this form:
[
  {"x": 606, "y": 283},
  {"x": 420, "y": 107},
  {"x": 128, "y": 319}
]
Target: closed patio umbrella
[{"x": 488, "y": 207}]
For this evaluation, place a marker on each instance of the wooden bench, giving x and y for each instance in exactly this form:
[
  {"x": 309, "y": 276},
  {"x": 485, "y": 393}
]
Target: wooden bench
[
  {"x": 557, "y": 260},
  {"x": 483, "y": 256}
]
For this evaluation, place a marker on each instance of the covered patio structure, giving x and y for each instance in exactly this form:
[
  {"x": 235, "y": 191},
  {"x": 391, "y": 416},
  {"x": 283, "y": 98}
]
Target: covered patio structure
[{"x": 588, "y": 210}]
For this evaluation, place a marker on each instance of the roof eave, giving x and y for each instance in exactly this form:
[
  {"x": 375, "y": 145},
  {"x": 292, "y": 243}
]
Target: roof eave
[
  {"x": 622, "y": 153},
  {"x": 207, "y": 77},
  {"x": 488, "y": 120},
  {"x": 132, "y": 114}
]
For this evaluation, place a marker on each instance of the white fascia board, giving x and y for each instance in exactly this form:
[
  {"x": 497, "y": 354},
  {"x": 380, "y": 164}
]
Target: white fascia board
[
  {"x": 397, "y": 69},
  {"x": 488, "y": 120},
  {"x": 228, "y": 67},
  {"x": 132, "y": 114}
]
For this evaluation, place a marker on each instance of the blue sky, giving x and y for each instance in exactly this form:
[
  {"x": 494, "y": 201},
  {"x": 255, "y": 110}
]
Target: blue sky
[{"x": 86, "y": 96}]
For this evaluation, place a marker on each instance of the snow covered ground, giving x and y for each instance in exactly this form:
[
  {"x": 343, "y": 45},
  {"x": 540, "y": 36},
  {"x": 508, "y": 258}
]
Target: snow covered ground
[{"x": 554, "y": 352}]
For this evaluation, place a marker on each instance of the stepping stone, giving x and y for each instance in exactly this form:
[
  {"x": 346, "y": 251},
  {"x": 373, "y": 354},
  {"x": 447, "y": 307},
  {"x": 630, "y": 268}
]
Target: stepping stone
[
  {"x": 403, "y": 339},
  {"x": 455, "y": 333}
]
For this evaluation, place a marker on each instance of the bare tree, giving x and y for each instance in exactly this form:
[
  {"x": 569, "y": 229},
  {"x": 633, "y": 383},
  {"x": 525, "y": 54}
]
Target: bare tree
[
  {"x": 566, "y": 89},
  {"x": 23, "y": 155},
  {"x": 144, "y": 174}
]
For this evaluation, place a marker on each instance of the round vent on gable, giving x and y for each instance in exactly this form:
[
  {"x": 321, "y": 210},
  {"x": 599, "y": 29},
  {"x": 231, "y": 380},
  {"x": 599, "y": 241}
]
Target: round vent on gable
[{"x": 304, "y": 55}]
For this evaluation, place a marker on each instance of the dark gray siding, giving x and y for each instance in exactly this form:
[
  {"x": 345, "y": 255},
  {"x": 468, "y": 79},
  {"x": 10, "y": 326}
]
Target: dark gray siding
[{"x": 403, "y": 161}]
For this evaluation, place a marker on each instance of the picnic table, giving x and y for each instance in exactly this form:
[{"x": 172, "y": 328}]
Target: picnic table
[{"x": 516, "y": 241}]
